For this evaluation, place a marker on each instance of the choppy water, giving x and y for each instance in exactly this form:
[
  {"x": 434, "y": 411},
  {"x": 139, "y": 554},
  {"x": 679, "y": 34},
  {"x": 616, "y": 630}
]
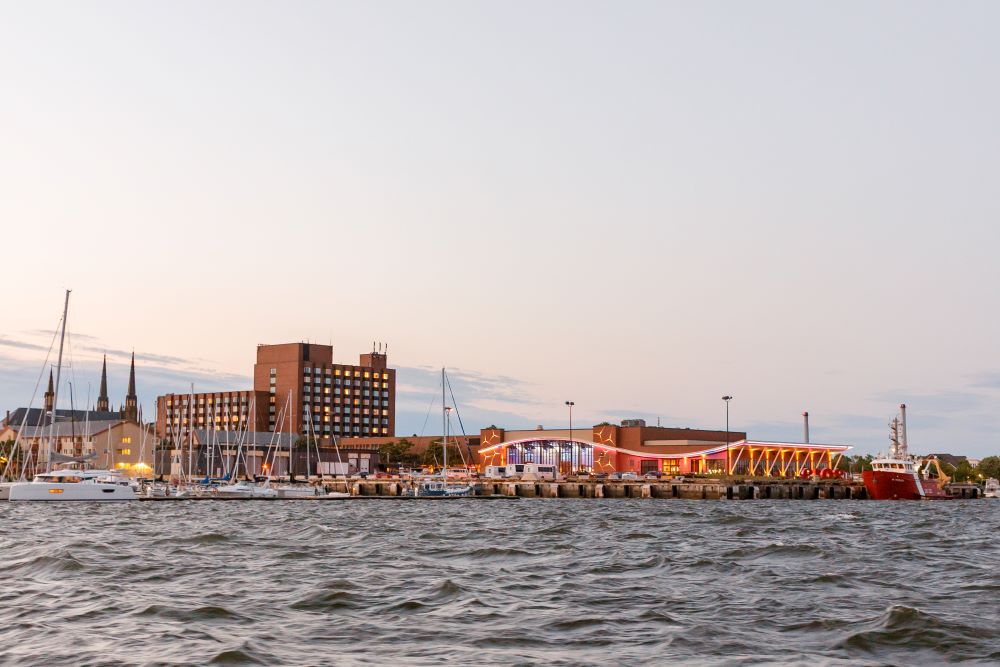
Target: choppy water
[{"x": 500, "y": 582}]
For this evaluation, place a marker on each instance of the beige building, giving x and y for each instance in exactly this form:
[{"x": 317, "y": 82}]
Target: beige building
[{"x": 107, "y": 445}]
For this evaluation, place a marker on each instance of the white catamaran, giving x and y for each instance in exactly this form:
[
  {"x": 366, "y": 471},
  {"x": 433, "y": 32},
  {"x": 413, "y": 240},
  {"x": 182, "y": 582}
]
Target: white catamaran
[{"x": 65, "y": 483}]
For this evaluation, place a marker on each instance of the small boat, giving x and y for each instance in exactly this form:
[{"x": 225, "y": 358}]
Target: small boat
[
  {"x": 437, "y": 488},
  {"x": 992, "y": 489},
  {"x": 93, "y": 485},
  {"x": 244, "y": 489},
  {"x": 300, "y": 491},
  {"x": 898, "y": 476},
  {"x": 442, "y": 488}
]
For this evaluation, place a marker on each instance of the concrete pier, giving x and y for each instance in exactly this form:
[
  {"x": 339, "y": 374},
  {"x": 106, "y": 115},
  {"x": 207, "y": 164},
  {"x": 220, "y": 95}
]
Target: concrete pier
[{"x": 762, "y": 489}]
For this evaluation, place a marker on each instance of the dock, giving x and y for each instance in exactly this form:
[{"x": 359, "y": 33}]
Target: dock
[{"x": 755, "y": 489}]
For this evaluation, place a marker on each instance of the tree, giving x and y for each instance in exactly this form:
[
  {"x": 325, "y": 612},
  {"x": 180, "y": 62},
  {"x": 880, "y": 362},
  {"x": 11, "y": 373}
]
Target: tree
[
  {"x": 8, "y": 452},
  {"x": 397, "y": 452},
  {"x": 990, "y": 467},
  {"x": 963, "y": 472}
]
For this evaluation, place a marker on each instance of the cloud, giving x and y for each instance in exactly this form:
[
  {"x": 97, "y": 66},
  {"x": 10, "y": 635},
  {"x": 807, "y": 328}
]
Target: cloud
[
  {"x": 468, "y": 386},
  {"x": 934, "y": 401},
  {"x": 22, "y": 345},
  {"x": 481, "y": 399},
  {"x": 987, "y": 380}
]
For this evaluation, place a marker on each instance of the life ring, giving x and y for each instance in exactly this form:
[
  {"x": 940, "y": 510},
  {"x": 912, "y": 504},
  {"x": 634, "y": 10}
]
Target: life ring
[
  {"x": 838, "y": 473},
  {"x": 826, "y": 473},
  {"x": 806, "y": 473}
]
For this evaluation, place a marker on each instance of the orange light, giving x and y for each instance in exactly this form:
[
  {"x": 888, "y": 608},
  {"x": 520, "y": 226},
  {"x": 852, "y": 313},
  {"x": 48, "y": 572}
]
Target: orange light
[{"x": 55, "y": 490}]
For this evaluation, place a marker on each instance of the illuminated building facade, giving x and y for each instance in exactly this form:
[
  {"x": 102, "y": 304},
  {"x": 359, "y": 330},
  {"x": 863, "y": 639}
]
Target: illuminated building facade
[
  {"x": 327, "y": 399},
  {"x": 641, "y": 449}
]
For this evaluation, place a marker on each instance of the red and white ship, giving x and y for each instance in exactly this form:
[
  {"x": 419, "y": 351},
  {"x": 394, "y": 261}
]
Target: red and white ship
[{"x": 898, "y": 476}]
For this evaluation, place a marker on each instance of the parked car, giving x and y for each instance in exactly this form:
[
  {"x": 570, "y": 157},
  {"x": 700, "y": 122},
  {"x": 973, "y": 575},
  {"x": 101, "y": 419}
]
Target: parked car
[
  {"x": 601, "y": 475},
  {"x": 629, "y": 475},
  {"x": 652, "y": 475}
]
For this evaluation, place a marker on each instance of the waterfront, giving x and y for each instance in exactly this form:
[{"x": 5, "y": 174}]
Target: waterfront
[{"x": 530, "y": 581}]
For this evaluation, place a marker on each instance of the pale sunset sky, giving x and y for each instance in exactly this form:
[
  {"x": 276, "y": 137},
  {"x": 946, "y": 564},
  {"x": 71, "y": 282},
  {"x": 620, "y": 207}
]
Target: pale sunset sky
[{"x": 637, "y": 206}]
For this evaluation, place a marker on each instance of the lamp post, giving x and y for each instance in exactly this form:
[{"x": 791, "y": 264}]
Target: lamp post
[
  {"x": 728, "y": 468},
  {"x": 570, "y": 405}
]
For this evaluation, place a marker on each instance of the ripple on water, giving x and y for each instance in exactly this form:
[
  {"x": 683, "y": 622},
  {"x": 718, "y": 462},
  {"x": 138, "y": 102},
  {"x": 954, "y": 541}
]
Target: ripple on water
[{"x": 528, "y": 582}]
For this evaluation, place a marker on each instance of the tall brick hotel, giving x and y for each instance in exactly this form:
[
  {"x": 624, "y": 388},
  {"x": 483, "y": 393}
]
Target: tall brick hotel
[{"x": 342, "y": 400}]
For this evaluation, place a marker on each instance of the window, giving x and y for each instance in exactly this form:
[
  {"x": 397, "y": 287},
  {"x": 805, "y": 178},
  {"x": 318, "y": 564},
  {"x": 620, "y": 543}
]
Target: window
[
  {"x": 127, "y": 440},
  {"x": 125, "y": 452}
]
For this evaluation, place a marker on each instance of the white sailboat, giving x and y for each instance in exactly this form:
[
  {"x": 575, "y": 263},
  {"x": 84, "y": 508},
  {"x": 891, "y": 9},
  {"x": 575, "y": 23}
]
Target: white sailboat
[
  {"x": 70, "y": 484},
  {"x": 301, "y": 490},
  {"x": 442, "y": 488}
]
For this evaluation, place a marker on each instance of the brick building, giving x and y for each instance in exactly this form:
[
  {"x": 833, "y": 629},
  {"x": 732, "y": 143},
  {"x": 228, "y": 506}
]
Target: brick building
[{"x": 327, "y": 399}]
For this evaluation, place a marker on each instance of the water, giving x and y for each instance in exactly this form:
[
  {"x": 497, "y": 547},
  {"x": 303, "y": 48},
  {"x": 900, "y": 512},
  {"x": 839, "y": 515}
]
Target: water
[{"x": 571, "y": 582}]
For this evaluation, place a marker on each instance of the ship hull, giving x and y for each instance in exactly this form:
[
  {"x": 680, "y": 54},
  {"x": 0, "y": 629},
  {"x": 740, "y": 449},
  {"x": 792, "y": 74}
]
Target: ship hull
[{"x": 886, "y": 485}]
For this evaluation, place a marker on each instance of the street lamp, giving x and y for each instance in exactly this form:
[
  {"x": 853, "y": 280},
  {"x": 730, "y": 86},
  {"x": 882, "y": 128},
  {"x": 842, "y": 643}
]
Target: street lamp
[
  {"x": 729, "y": 469},
  {"x": 570, "y": 405}
]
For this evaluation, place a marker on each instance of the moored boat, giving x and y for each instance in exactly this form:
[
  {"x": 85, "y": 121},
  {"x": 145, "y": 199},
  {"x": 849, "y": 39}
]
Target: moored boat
[
  {"x": 92, "y": 485},
  {"x": 244, "y": 489},
  {"x": 898, "y": 476}
]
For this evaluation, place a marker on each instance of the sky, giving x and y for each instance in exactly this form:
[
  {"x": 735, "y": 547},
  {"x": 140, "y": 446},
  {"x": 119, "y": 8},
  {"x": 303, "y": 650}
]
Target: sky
[{"x": 636, "y": 206}]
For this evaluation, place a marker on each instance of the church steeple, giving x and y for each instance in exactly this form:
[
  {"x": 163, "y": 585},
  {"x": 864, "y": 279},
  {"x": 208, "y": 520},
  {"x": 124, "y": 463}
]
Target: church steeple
[
  {"x": 131, "y": 411},
  {"x": 102, "y": 398},
  {"x": 50, "y": 395}
]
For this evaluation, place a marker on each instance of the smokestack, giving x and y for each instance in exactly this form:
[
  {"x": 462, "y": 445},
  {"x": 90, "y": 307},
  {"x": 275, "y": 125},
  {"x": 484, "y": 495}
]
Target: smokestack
[
  {"x": 902, "y": 421},
  {"x": 805, "y": 427}
]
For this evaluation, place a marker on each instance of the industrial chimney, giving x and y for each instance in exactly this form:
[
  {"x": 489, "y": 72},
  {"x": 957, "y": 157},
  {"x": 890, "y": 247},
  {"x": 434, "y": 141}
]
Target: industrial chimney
[
  {"x": 805, "y": 427},
  {"x": 902, "y": 420}
]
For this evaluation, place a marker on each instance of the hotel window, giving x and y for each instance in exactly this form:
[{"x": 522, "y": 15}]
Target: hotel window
[
  {"x": 125, "y": 451},
  {"x": 367, "y": 374},
  {"x": 127, "y": 440},
  {"x": 385, "y": 376}
]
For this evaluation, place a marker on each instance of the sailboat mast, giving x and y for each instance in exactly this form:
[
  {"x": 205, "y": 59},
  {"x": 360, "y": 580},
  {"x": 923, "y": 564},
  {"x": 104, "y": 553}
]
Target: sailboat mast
[
  {"x": 55, "y": 392},
  {"x": 191, "y": 434},
  {"x": 444, "y": 429}
]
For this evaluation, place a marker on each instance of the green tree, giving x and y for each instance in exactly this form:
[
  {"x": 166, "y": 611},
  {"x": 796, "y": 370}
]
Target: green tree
[
  {"x": 963, "y": 472},
  {"x": 990, "y": 467},
  {"x": 397, "y": 453}
]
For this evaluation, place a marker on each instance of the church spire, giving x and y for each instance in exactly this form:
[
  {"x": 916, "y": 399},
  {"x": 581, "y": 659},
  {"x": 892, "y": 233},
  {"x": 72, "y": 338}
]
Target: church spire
[
  {"x": 102, "y": 398},
  {"x": 50, "y": 395},
  {"x": 131, "y": 411},
  {"x": 131, "y": 377}
]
